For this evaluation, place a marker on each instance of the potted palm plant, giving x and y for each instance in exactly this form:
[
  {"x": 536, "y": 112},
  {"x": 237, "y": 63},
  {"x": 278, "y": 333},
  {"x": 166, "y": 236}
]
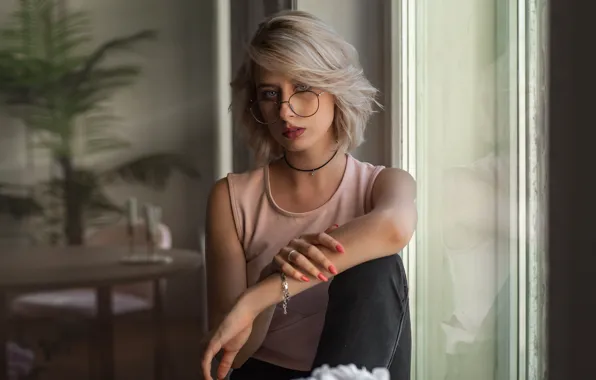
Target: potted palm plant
[{"x": 52, "y": 78}]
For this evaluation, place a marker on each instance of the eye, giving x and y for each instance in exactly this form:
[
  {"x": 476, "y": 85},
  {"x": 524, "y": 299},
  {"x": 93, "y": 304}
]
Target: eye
[
  {"x": 268, "y": 95},
  {"x": 301, "y": 87}
]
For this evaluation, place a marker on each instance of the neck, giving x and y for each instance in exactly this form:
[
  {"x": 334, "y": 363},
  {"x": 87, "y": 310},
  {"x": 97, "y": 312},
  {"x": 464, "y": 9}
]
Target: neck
[
  {"x": 313, "y": 157},
  {"x": 300, "y": 165},
  {"x": 311, "y": 170}
]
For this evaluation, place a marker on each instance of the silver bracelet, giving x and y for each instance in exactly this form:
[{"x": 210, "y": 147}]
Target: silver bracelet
[{"x": 286, "y": 292}]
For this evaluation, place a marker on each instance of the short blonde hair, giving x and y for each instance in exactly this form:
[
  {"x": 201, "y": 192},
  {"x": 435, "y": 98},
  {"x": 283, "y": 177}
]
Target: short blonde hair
[{"x": 305, "y": 49}]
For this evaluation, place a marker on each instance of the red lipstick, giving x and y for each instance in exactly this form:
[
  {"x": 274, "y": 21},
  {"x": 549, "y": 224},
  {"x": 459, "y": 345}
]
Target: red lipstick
[{"x": 291, "y": 132}]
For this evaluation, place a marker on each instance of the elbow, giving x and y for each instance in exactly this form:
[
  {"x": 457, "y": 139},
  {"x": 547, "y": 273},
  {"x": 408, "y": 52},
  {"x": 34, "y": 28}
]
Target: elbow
[{"x": 399, "y": 228}]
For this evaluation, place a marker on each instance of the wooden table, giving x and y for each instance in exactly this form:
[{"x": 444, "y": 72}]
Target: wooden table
[{"x": 53, "y": 268}]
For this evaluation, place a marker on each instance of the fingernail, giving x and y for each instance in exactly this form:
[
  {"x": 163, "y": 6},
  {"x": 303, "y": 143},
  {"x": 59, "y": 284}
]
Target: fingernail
[
  {"x": 304, "y": 278},
  {"x": 322, "y": 277},
  {"x": 339, "y": 248},
  {"x": 336, "y": 225},
  {"x": 332, "y": 269}
]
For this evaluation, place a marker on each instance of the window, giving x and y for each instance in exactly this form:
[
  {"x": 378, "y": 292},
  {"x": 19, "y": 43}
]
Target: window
[{"x": 468, "y": 89}]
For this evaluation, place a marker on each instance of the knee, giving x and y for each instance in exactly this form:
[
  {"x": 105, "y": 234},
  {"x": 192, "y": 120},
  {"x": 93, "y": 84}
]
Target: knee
[{"x": 385, "y": 276}]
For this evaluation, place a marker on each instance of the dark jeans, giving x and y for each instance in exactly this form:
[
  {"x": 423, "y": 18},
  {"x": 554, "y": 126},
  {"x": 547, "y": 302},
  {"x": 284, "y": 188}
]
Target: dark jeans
[{"x": 367, "y": 324}]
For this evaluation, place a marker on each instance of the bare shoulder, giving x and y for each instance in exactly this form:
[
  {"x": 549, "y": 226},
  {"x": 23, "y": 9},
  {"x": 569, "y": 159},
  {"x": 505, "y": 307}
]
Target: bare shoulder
[
  {"x": 220, "y": 220},
  {"x": 395, "y": 180},
  {"x": 219, "y": 196}
]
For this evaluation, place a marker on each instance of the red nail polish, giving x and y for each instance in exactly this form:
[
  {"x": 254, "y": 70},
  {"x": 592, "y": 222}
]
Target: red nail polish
[
  {"x": 339, "y": 248},
  {"x": 336, "y": 225},
  {"x": 322, "y": 277},
  {"x": 305, "y": 279},
  {"x": 332, "y": 269}
]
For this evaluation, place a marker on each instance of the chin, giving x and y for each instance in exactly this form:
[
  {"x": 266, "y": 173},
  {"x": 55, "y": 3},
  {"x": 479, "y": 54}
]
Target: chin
[{"x": 296, "y": 146}]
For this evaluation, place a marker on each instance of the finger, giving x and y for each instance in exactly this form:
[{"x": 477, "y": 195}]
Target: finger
[
  {"x": 332, "y": 228},
  {"x": 289, "y": 269},
  {"x": 226, "y": 364},
  {"x": 304, "y": 263},
  {"x": 315, "y": 255},
  {"x": 206, "y": 370},
  {"x": 212, "y": 349},
  {"x": 329, "y": 242}
]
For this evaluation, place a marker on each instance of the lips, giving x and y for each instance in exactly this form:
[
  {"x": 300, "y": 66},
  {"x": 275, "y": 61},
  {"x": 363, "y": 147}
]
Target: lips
[{"x": 291, "y": 132}]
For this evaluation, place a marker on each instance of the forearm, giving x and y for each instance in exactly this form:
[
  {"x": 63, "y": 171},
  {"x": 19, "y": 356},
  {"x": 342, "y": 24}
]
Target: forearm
[
  {"x": 370, "y": 236},
  {"x": 259, "y": 330},
  {"x": 365, "y": 238}
]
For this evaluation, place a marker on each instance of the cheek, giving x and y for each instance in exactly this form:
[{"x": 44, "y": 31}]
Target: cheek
[{"x": 325, "y": 115}]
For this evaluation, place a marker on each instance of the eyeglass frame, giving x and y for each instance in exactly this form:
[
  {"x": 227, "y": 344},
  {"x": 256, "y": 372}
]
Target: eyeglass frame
[{"x": 279, "y": 104}]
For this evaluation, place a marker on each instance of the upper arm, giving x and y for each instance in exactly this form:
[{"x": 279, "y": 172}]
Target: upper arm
[
  {"x": 225, "y": 260},
  {"x": 394, "y": 194}
]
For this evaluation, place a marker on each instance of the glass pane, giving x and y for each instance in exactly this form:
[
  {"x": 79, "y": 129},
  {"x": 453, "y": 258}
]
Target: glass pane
[{"x": 470, "y": 177}]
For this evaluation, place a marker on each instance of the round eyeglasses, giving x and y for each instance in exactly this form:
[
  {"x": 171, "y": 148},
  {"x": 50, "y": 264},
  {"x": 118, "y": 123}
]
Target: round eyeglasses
[{"x": 302, "y": 103}]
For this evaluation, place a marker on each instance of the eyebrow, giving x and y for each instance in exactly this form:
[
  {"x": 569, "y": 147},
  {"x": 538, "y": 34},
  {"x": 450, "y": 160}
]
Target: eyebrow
[{"x": 261, "y": 85}]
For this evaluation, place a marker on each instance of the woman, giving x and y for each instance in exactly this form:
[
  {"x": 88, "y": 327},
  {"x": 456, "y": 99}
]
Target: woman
[{"x": 310, "y": 213}]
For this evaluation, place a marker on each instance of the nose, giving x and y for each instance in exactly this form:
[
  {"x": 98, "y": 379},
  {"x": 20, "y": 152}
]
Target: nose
[{"x": 285, "y": 111}]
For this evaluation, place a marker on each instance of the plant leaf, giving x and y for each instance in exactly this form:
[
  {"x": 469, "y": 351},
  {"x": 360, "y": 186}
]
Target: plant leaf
[
  {"x": 97, "y": 127},
  {"x": 104, "y": 144},
  {"x": 47, "y": 79},
  {"x": 95, "y": 58}
]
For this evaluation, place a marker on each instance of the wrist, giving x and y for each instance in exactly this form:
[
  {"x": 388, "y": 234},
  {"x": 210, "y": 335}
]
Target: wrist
[{"x": 247, "y": 302}]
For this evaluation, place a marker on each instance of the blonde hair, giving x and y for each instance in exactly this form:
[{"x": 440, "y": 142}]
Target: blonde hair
[{"x": 305, "y": 49}]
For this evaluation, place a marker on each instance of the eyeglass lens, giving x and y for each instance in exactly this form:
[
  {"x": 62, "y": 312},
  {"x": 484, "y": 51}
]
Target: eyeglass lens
[{"x": 303, "y": 104}]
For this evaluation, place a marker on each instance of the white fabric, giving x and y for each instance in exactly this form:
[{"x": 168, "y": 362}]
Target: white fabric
[
  {"x": 79, "y": 300},
  {"x": 347, "y": 372}
]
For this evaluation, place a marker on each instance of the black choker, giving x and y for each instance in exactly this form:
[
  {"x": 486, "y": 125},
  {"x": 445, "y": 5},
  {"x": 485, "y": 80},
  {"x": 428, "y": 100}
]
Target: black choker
[{"x": 312, "y": 171}]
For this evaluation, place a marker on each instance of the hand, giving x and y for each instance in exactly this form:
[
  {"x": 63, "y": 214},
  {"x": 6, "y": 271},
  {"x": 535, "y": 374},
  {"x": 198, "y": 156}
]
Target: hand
[
  {"x": 231, "y": 335},
  {"x": 304, "y": 254}
]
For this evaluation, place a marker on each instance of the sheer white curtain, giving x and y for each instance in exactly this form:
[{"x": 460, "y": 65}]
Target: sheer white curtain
[{"x": 470, "y": 100}]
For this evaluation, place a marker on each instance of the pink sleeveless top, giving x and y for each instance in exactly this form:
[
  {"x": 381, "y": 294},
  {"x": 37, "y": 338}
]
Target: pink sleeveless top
[{"x": 264, "y": 228}]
